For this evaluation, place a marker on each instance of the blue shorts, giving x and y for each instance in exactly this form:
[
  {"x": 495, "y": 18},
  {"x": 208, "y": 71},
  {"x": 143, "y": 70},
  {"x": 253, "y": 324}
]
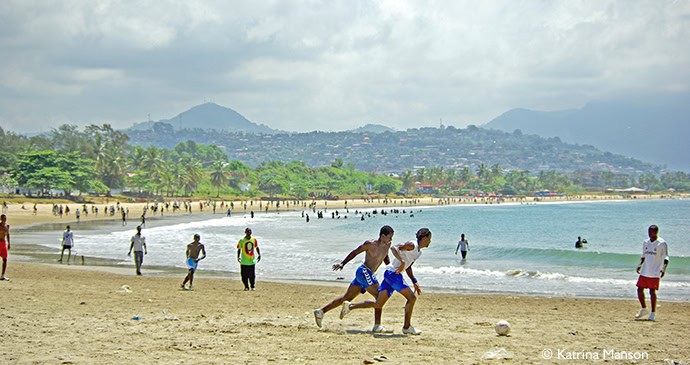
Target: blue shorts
[
  {"x": 393, "y": 281},
  {"x": 364, "y": 278},
  {"x": 192, "y": 263}
]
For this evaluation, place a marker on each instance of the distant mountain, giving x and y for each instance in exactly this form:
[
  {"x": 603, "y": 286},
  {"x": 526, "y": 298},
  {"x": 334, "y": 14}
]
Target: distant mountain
[
  {"x": 209, "y": 116},
  {"x": 372, "y": 128},
  {"x": 655, "y": 129}
]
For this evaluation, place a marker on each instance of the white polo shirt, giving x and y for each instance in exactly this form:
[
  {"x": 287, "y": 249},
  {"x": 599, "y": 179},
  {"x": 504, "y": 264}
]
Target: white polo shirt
[{"x": 654, "y": 254}]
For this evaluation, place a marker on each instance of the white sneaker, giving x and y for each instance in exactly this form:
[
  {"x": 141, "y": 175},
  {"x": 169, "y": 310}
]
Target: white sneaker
[
  {"x": 4, "y": 278},
  {"x": 318, "y": 316},
  {"x": 380, "y": 329},
  {"x": 411, "y": 331},
  {"x": 345, "y": 310},
  {"x": 641, "y": 313},
  {"x": 652, "y": 317}
]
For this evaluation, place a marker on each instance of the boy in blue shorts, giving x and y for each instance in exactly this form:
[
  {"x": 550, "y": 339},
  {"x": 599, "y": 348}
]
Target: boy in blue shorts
[
  {"x": 193, "y": 250},
  {"x": 405, "y": 255},
  {"x": 376, "y": 252}
]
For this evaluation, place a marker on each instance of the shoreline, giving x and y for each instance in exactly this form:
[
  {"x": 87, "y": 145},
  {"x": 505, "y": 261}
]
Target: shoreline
[
  {"x": 43, "y": 254},
  {"x": 21, "y": 214}
]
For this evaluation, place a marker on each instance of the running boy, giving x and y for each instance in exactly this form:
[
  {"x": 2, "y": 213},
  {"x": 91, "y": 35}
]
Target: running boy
[
  {"x": 193, "y": 259},
  {"x": 375, "y": 252},
  {"x": 405, "y": 255}
]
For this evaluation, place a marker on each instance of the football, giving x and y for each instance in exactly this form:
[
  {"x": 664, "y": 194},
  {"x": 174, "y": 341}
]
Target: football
[{"x": 502, "y": 328}]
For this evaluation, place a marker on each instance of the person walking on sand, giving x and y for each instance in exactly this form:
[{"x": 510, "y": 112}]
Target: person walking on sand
[
  {"x": 138, "y": 244},
  {"x": 67, "y": 244},
  {"x": 652, "y": 268},
  {"x": 247, "y": 259},
  {"x": 375, "y": 253},
  {"x": 405, "y": 254},
  {"x": 5, "y": 245},
  {"x": 193, "y": 259},
  {"x": 463, "y": 245}
]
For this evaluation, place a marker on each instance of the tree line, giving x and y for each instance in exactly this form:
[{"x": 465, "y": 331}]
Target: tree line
[{"x": 99, "y": 159}]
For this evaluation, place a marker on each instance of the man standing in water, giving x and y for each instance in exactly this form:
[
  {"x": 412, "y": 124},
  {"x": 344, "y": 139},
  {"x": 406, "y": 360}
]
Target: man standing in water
[
  {"x": 405, "y": 255},
  {"x": 67, "y": 243},
  {"x": 651, "y": 268},
  {"x": 247, "y": 259},
  {"x": 138, "y": 244},
  {"x": 4, "y": 243},
  {"x": 376, "y": 252},
  {"x": 193, "y": 259},
  {"x": 463, "y": 245}
]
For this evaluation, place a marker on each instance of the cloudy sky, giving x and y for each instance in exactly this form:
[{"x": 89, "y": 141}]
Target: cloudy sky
[{"x": 331, "y": 65}]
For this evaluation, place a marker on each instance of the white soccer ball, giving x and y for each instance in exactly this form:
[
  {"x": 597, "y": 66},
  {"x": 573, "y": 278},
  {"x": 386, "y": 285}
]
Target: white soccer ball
[{"x": 502, "y": 328}]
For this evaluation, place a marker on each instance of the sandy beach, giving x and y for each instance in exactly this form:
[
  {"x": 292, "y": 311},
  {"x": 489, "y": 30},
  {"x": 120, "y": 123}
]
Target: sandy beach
[
  {"x": 60, "y": 314},
  {"x": 67, "y": 315}
]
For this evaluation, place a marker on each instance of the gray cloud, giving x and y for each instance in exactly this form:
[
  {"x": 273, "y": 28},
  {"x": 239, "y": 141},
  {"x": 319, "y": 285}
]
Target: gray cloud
[{"x": 331, "y": 65}]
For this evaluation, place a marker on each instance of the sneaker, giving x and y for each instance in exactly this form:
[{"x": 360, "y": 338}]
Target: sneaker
[
  {"x": 345, "y": 310},
  {"x": 652, "y": 317},
  {"x": 191, "y": 288},
  {"x": 411, "y": 331},
  {"x": 643, "y": 312},
  {"x": 318, "y": 316},
  {"x": 380, "y": 329},
  {"x": 183, "y": 287},
  {"x": 4, "y": 278},
  {"x": 246, "y": 289}
]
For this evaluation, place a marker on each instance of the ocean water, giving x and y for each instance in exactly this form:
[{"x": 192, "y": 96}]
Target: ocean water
[{"x": 514, "y": 248}]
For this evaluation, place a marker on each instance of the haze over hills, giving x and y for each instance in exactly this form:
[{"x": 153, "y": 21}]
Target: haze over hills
[
  {"x": 653, "y": 129},
  {"x": 210, "y": 116}
]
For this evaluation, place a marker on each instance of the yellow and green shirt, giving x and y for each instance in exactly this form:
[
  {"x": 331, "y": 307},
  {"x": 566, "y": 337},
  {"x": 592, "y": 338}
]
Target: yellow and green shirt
[{"x": 247, "y": 248}]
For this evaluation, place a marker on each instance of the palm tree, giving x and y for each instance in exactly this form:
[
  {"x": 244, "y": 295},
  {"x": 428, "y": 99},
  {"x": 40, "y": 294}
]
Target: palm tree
[{"x": 219, "y": 175}]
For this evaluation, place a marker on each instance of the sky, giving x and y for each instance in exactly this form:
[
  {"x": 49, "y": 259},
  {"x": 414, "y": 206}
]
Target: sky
[{"x": 331, "y": 65}]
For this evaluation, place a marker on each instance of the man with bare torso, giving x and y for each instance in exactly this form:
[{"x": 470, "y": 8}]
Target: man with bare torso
[
  {"x": 193, "y": 250},
  {"x": 376, "y": 252},
  {"x": 4, "y": 243}
]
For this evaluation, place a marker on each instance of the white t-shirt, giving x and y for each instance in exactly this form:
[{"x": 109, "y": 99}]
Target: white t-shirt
[
  {"x": 408, "y": 256},
  {"x": 463, "y": 245},
  {"x": 138, "y": 242},
  {"x": 68, "y": 239},
  {"x": 654, "y": 254}
]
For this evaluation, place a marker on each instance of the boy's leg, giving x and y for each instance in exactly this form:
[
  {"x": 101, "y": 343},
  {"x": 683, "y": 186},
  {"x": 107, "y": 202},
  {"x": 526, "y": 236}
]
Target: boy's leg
[
  {"x": 409, "y": 306},
  {"x": 245, "y": 276},
  {"x": 252, "y": 275},
  {"x": 4, "y": 266},
  {"x": 652, "y": 295},
  {"x": 69, "y": 254},
  {"x": 62, "y": 252},
  {"x": 640, "y": 297}
]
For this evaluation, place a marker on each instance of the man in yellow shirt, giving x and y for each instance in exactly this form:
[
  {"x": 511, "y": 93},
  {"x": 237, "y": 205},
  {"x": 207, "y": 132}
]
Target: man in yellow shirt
[{"x": 248, "y": 254}]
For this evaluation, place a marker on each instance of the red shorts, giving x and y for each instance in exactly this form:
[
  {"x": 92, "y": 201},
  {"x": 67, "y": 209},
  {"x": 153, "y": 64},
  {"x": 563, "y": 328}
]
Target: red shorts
[
  {"x": 3, "y": 249},
  {"x": 649, "y": 283}
]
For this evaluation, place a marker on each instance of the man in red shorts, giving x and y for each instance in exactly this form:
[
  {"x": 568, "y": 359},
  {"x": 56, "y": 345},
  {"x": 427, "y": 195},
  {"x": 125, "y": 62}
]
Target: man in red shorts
[
  {"x": 4, "y": 243},
  {"x": 652, "y": 267}
]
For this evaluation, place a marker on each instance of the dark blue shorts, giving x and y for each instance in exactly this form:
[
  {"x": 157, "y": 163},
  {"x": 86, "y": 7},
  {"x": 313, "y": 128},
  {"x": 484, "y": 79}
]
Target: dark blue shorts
[
  {"x": 392, "y": 281},
  {"x": 364, "y": 278}
]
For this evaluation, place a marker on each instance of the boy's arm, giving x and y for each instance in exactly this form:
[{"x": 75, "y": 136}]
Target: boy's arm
[
  {"x": 363, "y": 247},
  {"x": 143, "y": 243},
  {"x": 8, "y": 237},
  {"x": 203, "y": 251},
  {"x": 131, "y": 246},
  {"x": 414, "y": 280},
  {"x": 258, "y": 253},
  {"x": 639, "y": 266}
]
